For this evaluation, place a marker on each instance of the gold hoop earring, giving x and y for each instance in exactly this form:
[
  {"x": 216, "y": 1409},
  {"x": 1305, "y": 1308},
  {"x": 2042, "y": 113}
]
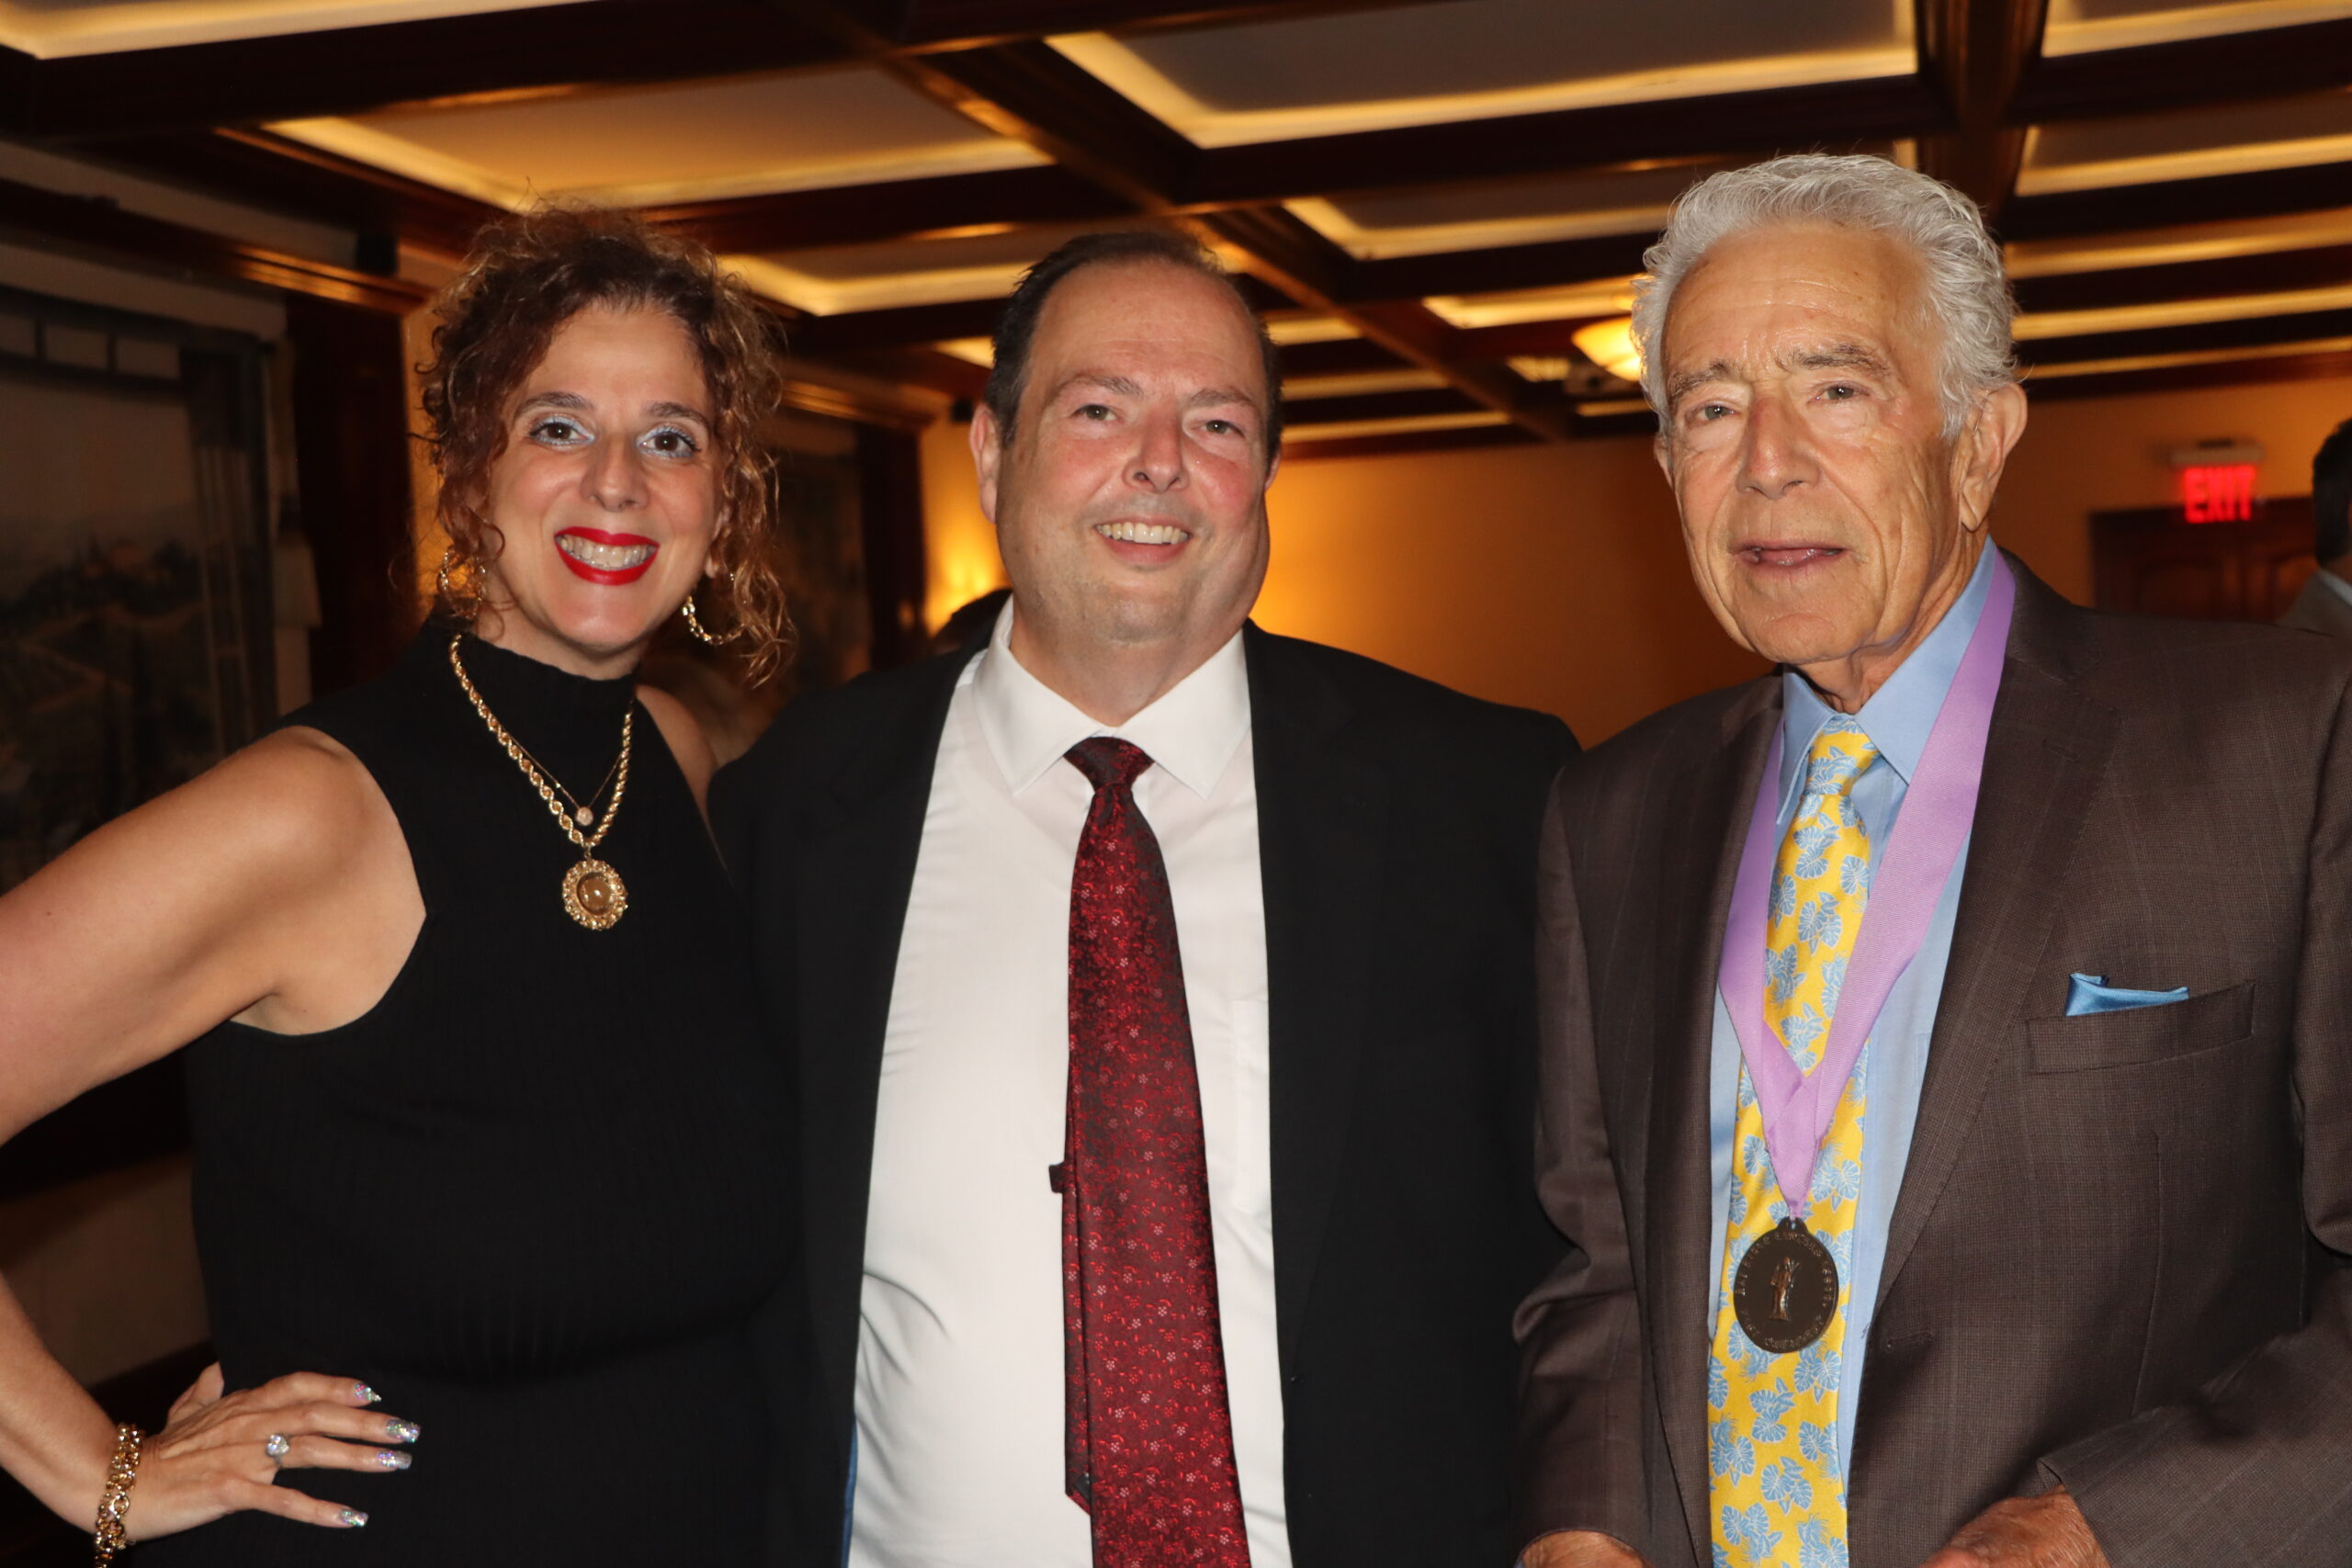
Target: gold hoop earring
[
  {"x": 694, "y": 624},
  {"x": 466, "y": 605}
]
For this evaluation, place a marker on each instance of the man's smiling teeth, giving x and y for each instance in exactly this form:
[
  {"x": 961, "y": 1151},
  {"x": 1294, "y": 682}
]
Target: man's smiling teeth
[
  {"x": 1143, "y": 533},
  {"x": 604, "y": 557}
]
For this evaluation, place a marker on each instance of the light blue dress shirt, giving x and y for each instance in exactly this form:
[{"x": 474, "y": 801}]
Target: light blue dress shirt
[{"x": 1897, "y": 720}]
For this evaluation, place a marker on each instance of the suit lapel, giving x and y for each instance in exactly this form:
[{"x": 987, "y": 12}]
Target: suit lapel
[
  {"x": 1707, "y": 823},
  {"x": 851, "y": 879},
  {"x": 2043, "y": 759},
  {"x": 1322, "y": 834}
]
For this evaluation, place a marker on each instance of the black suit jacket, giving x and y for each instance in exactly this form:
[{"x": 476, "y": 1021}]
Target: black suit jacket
[
  {"x": 1398, "y": 823},
  {"x": 2118, "y": 1260}
]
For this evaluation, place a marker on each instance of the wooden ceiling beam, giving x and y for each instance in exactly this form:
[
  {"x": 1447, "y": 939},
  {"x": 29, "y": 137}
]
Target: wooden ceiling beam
[
  {"x": 1501, "y": 269},
  {"x": 1348, "y": 408},
  {"x": 896, "y": 327},
  {"x": 97, "y": 227},
  {"x": 1517, "y": 339},
  {"x": 965, "y": 23},
  {"x": 2153, "y": 78},
  {"x": 895, "y": 210},
  {"x": 1340, "y": 356},
  {"x": 1399, "y": 443},
  {"x": 1034, "y": 95},
  {"x": 2269, "y": 272},
  {"x": 1597, "y": 139},
  {"x": 276, "y": 174},
  {"x": 1283, "y": 251},
  {"x": 914, "y": 367},
  {"x": 2214, "y": 198},
  {"x": 1977, "y": 53},
  {"x": 2180, "y": 377},
  {"x": 2200, "y": 337},
  {"x": 346, "y": 71}
]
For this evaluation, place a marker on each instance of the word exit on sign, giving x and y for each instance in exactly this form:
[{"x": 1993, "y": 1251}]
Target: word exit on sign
[{"x": 2217, "y": 493}]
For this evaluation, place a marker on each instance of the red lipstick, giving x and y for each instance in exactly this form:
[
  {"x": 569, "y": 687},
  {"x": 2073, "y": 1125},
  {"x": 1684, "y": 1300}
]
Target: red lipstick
[{"x": 606, "y": 576}]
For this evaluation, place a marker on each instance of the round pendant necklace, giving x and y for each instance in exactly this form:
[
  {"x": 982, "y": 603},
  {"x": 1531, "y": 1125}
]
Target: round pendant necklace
[{"x": 592, "y": 892}]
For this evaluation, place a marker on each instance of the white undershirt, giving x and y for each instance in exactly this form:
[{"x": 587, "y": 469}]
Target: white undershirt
[{"x": 959, "y": 1360}]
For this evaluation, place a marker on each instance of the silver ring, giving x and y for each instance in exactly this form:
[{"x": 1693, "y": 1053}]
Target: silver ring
[{"x": 278, "y": 1446}]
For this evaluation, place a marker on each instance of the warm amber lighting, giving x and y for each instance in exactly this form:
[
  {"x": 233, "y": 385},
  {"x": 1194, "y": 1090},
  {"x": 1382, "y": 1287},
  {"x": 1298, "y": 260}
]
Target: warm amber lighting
[{"x": 1610, "y": 344}]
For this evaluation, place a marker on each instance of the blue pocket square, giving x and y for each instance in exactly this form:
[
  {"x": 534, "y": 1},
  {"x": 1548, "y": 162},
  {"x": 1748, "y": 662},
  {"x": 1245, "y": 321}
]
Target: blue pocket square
[{"x": 2091, "y": 993}]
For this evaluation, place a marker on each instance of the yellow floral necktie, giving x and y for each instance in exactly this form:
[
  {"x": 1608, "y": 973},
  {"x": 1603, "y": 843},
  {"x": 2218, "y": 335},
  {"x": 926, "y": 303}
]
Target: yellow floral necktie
[{"x": 1777, "y": 1495}]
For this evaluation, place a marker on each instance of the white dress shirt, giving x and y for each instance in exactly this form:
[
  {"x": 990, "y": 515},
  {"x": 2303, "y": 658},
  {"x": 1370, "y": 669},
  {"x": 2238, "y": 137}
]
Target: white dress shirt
[{"x": 959, "y": 1361}]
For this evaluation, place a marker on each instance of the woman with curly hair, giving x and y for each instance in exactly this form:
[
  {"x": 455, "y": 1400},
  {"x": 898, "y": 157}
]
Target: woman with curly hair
[{"x": 490, "y": 1154}]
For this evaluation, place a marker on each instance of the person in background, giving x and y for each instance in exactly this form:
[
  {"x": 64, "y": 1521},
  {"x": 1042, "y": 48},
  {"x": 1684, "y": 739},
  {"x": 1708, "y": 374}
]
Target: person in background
[
  {"x": 1946, "y": 1092},
  {"x": 2325, "y": 603},
  {"x": 1162, "y": 996},
  {"x": 477, "y": 1079}
]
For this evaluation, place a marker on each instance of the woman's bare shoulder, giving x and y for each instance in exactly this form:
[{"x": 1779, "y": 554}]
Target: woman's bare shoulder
[{"x": 295, "y": 799}]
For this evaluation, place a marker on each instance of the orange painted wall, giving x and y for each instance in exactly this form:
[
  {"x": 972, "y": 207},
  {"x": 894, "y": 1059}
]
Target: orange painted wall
[{"x": 1553, "y": 576}]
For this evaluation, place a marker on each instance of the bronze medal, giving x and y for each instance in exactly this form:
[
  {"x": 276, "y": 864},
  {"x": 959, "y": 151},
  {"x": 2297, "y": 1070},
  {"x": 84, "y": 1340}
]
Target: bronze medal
[
  {"x": 593, "y": 895},
  {"x": 1786, "y": 1289}
]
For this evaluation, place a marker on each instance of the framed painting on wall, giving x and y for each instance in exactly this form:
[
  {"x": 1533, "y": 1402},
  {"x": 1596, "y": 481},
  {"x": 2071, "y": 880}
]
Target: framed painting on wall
[{"x": 135, "y": 637}]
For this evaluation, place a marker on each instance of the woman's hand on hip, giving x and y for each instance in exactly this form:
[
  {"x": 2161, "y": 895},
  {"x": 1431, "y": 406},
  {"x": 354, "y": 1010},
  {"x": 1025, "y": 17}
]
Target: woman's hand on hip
[{"x": 219, "y": 1453}]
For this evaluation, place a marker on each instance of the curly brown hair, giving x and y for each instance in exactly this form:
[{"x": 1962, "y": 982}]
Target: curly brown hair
[{"x": 528, "y": 274}]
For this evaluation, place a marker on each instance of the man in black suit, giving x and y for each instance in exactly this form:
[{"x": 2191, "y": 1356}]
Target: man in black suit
[{"x": 1337, "y": 1100}]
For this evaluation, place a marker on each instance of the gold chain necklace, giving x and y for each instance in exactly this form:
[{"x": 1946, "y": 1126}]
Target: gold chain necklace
[
  {"x": 592, "y": 892},
  {"x": 583, "y": 815}
]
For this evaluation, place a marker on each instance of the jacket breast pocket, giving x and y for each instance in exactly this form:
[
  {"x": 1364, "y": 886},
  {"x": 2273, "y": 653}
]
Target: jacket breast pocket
[{"x": 2138, "y": 1035}]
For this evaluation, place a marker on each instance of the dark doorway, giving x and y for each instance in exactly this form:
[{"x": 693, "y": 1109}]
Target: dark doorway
[{"x": 2150, "y": 562}]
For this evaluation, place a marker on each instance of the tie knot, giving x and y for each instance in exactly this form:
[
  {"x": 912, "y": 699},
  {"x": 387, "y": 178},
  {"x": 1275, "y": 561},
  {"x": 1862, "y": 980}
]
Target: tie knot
[
  {"x": 1108, "y": 762},
  {"x": 1841, "y": 754}
]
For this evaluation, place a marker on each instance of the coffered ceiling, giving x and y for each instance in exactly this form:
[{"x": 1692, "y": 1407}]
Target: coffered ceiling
[{"x": 1431, "y": 197}]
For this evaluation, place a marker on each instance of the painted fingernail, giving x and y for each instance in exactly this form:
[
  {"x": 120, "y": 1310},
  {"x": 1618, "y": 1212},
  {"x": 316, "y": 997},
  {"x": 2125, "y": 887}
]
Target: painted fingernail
[
  {"x": 352, "y": 1518},
  {"x": 364, "y": 1394},
  {"x": 400, "y": 1431},
  {"x": 391, "y": 1458}
]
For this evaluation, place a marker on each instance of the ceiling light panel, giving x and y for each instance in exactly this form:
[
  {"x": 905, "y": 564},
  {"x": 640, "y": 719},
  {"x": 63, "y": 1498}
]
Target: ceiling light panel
[
  {"x": 50, "y": 29},
  {"x": 2180, "y": 145},
  {"x": 2028, "y": 328},
  {"x": 1608, "y": 296},
  {"x": 2080, "y": 27},
  {"x": 700, "y": 140},
  {"x": 1518, "y": 212},
  {"x": 2194, "y": 356},
  {"x": 2182, "y": 242},
  {"x": 1478, "y": 59}
]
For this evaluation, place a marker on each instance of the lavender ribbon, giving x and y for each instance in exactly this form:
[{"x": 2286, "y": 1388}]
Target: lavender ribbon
[{"x": 1906, "y": 883}]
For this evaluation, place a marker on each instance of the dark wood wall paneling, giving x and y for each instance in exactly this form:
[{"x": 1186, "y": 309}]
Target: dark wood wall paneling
[
  {"x": 352, "y": 462},
  {"x": 889, "y": 470}
]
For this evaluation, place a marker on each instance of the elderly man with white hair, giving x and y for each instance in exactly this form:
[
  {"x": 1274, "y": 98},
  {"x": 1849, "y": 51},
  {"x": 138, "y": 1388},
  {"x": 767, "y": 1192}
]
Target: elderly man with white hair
[{"x": 1946, "y": 1092}]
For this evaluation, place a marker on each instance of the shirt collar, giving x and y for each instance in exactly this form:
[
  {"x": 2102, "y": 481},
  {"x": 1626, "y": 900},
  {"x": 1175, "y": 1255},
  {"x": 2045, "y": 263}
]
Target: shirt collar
[
  {"x": 2342, "y": 589},
  {"x": 1900, "y": 714},
  {"x": 1192, "y": 732}
]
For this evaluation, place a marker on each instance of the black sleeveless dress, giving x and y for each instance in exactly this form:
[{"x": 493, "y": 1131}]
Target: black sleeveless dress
[{"x": 534, "y": 1195}]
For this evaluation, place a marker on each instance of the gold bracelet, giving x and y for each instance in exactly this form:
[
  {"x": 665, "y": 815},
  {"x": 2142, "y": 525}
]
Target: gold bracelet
[{"x": 108, "y": 1538}]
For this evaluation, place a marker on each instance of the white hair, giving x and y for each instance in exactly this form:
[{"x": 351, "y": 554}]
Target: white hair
[{"x": 1967, "y": 292}]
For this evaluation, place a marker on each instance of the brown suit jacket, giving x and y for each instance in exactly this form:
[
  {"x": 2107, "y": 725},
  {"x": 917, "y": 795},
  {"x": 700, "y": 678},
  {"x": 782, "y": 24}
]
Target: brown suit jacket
[
  {"x": 2118, "y": 1262},
  {"x": 2319, "y": 608}
]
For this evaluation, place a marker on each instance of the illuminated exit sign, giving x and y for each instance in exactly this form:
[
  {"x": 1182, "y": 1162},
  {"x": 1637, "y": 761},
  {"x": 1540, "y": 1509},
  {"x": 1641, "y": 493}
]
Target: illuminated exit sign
[
  {"x": 2217, "y": 480},
  {"x": 2217, "y": 493}
]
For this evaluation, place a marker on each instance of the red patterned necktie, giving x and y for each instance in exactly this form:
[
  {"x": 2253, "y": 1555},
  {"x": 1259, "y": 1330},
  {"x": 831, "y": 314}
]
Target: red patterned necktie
[{"x": 1150, "y": 1437}]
